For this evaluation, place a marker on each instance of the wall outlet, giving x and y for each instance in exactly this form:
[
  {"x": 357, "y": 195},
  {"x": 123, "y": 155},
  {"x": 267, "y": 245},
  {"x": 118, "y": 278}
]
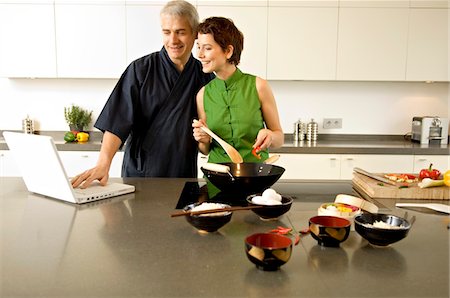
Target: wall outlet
[{"x": 331, "y": 123}]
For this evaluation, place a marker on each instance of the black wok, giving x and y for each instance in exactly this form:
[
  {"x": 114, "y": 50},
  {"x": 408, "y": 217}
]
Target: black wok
[{"x": 247, "y": 178}]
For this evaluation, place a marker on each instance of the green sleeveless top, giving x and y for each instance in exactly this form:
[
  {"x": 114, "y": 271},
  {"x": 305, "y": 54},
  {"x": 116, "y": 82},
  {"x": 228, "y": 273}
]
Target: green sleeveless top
[{"x": 233, "y": 112}]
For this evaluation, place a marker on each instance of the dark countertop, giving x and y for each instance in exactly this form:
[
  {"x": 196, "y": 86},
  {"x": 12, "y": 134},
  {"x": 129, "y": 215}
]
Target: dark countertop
[
  {"x": 130, "y": 247},
  {"x": 326, "y": 144}
]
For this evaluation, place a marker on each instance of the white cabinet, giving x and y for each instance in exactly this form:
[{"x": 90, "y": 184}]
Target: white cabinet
[
  {"x": 76, "y": 162},
  {"x": 250, "y": 17},
  {"x": 376, "y": 164},
  {"x": 144, "y": 35},
  {"x": 372, "y": 41},
  {"x": 27, "y": 39},
  {"x": 90, "y": 39},
  {"x": 310, "y": 166},
  {"x": 440, "y": 162},
  {"x": 428, "y": 47},
  {"x": 302, "y": 40},
  {"x": 8, "y": 166}
]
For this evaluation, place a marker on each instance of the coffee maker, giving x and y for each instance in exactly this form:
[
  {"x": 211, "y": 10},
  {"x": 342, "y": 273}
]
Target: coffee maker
[{"x": 430, "y": 130}]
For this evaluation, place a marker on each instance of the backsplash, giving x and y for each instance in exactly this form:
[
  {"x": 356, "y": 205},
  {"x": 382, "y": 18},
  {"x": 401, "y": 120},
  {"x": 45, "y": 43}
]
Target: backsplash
[{"x": 364, "y": 107}]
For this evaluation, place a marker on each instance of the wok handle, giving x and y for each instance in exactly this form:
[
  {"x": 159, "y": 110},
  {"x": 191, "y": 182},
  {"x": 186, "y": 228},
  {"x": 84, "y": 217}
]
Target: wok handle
[{"x": 216, "y": 167}]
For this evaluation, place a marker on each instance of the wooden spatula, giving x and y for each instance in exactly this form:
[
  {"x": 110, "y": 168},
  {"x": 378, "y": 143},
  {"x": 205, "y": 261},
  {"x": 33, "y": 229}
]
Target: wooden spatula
[{"x": 230, "y": 150}]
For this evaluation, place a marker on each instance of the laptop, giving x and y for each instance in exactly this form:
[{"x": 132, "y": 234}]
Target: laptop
[{"x": 44, "y": 173}]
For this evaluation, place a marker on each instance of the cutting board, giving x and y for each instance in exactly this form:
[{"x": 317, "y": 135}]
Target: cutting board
[{"x": 373, "y": 189}]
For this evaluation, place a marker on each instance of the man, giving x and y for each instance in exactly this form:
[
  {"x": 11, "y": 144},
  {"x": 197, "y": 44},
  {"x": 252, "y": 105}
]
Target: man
[{"x": 152, "y": 107}]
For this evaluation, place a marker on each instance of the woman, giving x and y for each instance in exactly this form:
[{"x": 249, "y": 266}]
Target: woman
[{"x": 238, "y": 107}]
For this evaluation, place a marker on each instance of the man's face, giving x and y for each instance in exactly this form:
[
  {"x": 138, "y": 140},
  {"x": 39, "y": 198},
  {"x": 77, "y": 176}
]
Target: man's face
[{"x": 178, "y": 38}]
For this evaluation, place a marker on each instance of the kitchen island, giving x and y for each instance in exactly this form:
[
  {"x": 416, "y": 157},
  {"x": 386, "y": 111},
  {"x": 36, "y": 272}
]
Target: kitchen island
[{"x": 129, "y": 246}]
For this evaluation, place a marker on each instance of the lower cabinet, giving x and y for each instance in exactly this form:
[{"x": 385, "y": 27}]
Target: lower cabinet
[
  {"x": 440, "y": 162},
  {"x": 340, "y": 166},
  {"x": 376, "y": 164},
  {"x": 76, "y": 162},
  {"x": 310, "y": 166},
  {"x": 8, "y": 165}
]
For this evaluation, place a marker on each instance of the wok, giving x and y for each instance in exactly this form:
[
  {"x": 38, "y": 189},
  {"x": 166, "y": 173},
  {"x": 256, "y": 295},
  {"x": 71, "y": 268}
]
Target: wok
[{"x": 245, "y": 178}]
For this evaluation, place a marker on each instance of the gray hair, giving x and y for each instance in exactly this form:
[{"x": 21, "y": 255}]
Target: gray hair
[{"x": 182, "y": 8}]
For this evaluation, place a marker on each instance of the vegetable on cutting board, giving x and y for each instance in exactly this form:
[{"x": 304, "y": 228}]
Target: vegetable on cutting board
[
  {"x": 429, "y": 173},
  {"x": 447, "y": 178},
  {"x": 428, "y": 182}
]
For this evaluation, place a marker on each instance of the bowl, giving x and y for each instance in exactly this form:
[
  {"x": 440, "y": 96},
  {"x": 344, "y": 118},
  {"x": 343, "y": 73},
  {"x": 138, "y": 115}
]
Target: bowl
[
  {"x": 271, "y": 212},
  {"x": 329, "y": 230},
  {"x": 268, "y": 251},
  {"x": 379, "y": 236},
  {"x": 210, "y": 222}
]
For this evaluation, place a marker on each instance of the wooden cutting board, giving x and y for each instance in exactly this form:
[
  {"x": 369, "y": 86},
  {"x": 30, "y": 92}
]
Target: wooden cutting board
[{"x": 373, "y": 189}]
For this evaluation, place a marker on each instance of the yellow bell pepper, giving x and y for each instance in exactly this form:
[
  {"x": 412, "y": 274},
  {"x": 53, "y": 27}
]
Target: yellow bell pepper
[
  {"x": 447, "y": 178},
  {"x": 82, "y": 137}
]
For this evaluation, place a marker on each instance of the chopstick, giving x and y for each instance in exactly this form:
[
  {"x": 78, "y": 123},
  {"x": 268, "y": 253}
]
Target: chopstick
[{"x": 226, "y": 209}]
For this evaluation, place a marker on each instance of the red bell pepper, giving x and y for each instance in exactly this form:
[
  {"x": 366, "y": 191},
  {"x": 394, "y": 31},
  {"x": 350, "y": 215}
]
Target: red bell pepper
[
  {"x": 429, "y": 173},
  {"x": 255, "y": 152}
]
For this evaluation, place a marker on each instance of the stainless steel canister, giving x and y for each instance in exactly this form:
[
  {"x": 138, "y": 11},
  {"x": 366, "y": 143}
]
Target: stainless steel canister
[
  {"x": 299, "y": 130},
  {"x": 28, "y": 125},
  {"x": 312, "y": 130}
]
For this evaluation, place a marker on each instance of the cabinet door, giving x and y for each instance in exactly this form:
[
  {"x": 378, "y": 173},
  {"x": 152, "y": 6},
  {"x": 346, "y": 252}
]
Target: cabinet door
[
  {"x": 440, "y": 162},
  {"x": 372, "y": 43},
  {"x": 144, "y": 35},
  {"x": 310, "y": 166},
  {"x": 90, "y": 40},
  {"x": 428, "y": 48},
  {"x": 76, "y": 162},
  {"x": 251, "y": 19},
  {"x": 27, "y": 40},
  {"x": 8, "y": 166},
  {"x": 302, "y": 43},
  {"x": 376, "y": 164}
]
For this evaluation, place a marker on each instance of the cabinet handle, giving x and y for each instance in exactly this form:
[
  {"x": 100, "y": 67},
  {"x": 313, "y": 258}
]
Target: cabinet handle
[
  {"x": 333, "y": 158},
  {"x": 422, "y": 159},
  {"x": 349, "y": 158},
  {"x": 84, "y": 156}
]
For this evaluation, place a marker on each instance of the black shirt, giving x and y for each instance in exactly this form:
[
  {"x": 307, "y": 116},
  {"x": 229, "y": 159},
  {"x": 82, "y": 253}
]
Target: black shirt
[{"x": 152, "y": 108}]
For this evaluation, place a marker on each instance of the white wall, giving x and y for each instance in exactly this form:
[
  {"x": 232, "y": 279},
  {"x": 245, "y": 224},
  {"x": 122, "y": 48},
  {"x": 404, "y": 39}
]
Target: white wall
[{"x": 365, "y": 107}]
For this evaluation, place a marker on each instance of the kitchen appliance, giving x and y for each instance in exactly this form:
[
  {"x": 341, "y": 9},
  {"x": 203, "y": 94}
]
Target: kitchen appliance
[{"x": 430, "y": 129}]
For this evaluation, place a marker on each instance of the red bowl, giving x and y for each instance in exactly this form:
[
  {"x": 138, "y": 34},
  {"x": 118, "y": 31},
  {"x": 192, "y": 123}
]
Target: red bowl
[
  {"x": 329, "y": 230},
  {"x": 268, "y": 251}
]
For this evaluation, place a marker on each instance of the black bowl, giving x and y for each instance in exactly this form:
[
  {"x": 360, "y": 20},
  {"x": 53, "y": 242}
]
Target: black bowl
[
  {"x": 329, "y": 230},
  {"x": 271, "y": 211},
  {"x": 268, "y": 251},
  {"x": 381, "y": 236},
  {"x": 248, "y": 178},
  {"x": 208, "y": 222}
]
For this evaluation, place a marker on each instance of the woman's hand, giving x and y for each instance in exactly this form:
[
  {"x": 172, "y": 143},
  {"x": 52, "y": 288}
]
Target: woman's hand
[
  {"x": 199, "y": 135},
  {"x": 263, "y": 139}
]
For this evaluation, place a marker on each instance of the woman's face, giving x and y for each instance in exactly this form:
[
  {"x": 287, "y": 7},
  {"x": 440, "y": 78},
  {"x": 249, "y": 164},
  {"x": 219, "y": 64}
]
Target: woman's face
[{"x": 212, "y": 56}]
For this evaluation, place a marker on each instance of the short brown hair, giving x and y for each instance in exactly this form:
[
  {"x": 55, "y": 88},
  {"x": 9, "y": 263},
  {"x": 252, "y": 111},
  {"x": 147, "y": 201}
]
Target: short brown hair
[{"x": 225, "y": 33}]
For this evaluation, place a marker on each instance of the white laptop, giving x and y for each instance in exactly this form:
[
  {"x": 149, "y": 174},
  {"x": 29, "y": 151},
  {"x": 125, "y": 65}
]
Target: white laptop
[{"x": 44, "y": 174}]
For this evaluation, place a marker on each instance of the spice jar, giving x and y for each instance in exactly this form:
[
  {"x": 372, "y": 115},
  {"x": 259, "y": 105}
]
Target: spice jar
[
  {"x": 28, "y": 125},
  {"x": 312, "y": 129},
  {"x": 299, "y": 130}
]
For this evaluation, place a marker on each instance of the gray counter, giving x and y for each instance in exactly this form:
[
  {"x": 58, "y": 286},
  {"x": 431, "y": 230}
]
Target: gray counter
[
  {"x": 326, "y": 144},
  {"x": 131, "y": 247}
]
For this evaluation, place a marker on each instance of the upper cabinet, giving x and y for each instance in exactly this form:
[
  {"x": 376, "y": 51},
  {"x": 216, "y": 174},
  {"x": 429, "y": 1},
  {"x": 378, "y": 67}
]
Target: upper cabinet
[
  {"x": 348, "y": 40},
  {"x": 372, "y": 42},
  {"x": 302, "y": 38},
  {"x": 250, "y": 17},
  {"x": 27, "y": 39},
  {"x": 428, "y": 44},
  {"x": 90, "y": 39}
]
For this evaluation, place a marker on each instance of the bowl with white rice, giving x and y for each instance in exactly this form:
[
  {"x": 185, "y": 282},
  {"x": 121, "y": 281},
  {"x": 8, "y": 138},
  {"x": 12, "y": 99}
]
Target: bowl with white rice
[
  {"x": 209, "y": 222},
  {"x": 382, "y": 229},
  {"x": 273, "y": 205}
]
